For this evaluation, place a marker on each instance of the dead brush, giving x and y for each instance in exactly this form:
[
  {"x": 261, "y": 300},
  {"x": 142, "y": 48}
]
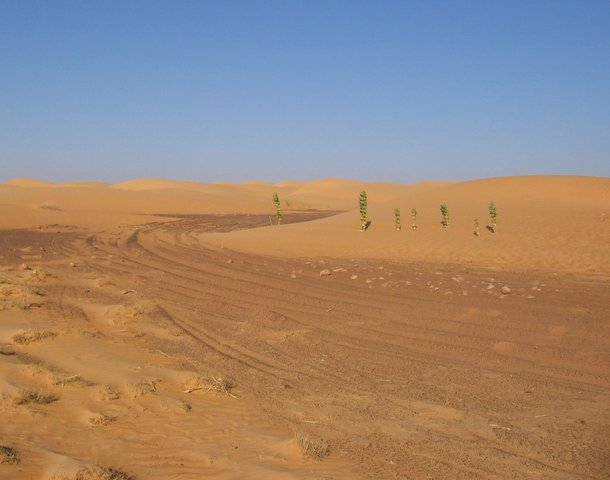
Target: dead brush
[
  {"x": 39, "y": 274},
  {"x": 95, "y": 473},
  {"x": 101, "y": 420},
  {"x": 8, "y": 456},
  {"x": 77, "y": 380},
  {"x": 312, "y": 447},
  {"x": 216, "y": 384},
  {"x": 39, "y": 397},
  {"x": 25, "y": 338}
]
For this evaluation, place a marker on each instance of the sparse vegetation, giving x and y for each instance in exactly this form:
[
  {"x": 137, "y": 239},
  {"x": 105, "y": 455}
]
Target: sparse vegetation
[
  {"x": 8, "y": 456},
  {"x": 63, "y": 380},
  {"x": 39, "y": 397},
  {"x": 397, "y": 224},
  {"x": 477, "y": 231},
  {"x": 217, "y": 384},
  {"x": 96, "y": 473},
  {"x": 279, "y": 215},
  {"x": 26, "y": 338},
  {"x": 101, "y": 420},
  {"x": 414, "y": 219},
  {"x": 311, "y": 447},
  {"x": 445, "y": 215},
  {"x": 363, "y": 203},
  {"x": 493, "y": 216},
  {"x": 49, "y": 206}
]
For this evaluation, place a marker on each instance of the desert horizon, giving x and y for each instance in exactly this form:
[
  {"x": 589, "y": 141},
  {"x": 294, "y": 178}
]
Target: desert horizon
[
  {"x": 305, "y": 240},
  {"x": 164, "y": 329}
]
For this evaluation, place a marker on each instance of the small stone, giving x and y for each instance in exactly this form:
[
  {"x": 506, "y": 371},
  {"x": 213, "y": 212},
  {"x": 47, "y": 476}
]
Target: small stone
[
  {"x": 490, "y": 286},
  {"x": 505, "y": 290},
  {"x": 292, "y": 275},
  {"x": 229, "y": 261},
  {"x": 354, "y": 277},
  {"x": 72, "y": 265},
  {"x": 325, "y": 272},
  {"x": 24, "y": 266}
]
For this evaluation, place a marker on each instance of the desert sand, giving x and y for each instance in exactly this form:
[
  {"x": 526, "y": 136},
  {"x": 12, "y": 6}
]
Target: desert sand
[{"x": 158, "y": 329}]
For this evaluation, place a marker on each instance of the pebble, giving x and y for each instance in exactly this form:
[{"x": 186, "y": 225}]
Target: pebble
[
  {"x": 24, "y": 266},
  {"x": 505, "y": 290},
  {"x": 354, "y": 277},
  {"x": 325, "y": 272}
]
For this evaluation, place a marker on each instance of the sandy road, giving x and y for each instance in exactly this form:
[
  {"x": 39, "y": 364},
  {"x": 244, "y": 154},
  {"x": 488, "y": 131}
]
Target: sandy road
[
  {"x": 408, "y": 371},
  {"x": 405, "y": 370}
]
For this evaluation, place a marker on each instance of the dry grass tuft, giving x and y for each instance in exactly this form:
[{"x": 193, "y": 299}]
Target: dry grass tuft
[
  {"x": 26, "y": 338},
  {"x": 39, "y": 397},
  {"x": 216, "y": 384},
  {"x": 101, "y": 420},
  {"x": 312, "y": 447},
  {"x": 8, "y": 456},
  {"x": 39, "y": 274},
  {"x": 77, "y": 380},
  {"x": 96, "y": 473}
]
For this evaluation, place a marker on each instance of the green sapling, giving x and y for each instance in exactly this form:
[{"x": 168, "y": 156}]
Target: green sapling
[
  {"x": 363, "y": 202},
  {"x": 279, "y": 215},
  {"x": 493, "y": 215},
  {"x": 445, "y": 214},
  {"x": 414, "y": 219},
  {"x": 397, "y": 224}
]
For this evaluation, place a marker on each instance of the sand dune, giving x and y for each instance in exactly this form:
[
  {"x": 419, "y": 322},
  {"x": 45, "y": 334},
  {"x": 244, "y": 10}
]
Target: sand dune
[
  {"x": 558, "y": 223},
  {"x": 158, "y": 329}
]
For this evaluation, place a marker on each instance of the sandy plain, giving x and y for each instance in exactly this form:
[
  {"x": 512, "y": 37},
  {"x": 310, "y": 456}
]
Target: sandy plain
[{"x": 158, "y": 329}]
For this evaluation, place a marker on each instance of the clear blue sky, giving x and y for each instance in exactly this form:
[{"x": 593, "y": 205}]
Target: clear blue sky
[{"x": 235, "y": 90}]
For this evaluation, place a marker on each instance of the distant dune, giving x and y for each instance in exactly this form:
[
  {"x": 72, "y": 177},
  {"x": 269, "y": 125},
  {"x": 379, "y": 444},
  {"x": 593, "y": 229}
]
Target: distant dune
[{"x": 546, "y": 222}]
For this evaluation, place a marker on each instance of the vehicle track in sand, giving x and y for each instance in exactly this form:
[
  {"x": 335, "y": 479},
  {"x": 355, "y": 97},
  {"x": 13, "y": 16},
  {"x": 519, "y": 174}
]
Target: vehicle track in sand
[{"x": 409, "y": 370}]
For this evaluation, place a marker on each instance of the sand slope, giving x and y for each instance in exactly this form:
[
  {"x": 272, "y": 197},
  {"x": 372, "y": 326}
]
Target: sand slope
[{"x": 558, "y": 223}]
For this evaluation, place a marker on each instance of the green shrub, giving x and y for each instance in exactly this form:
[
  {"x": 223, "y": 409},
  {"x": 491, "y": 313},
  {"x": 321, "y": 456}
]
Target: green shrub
[
  {"x": 414, "y": 219},
  {"x": 363, "y": 202},
  {"x": 493, "y": 215},
  {"x": 445, "y": 214},
  {"x": 397, "y": 224},
  {"x": 279, "y": 215}
]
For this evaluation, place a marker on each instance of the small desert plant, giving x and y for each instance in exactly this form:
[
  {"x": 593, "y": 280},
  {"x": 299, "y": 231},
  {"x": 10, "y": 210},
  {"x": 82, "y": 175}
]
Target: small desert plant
[
  {"x": 35, "y": 396},
  {"x": 445, "y": 214},
  {"x": 216, "y": 384},
  {"x": 414, "y": 219},
  {"x": 397, "y": 224},
  {"x": 311, "y": 447},
  {"x": 8, "y": 456},
  {"x": 26, "y": 338},
  {"x": 95, "y": 473},
  {"x": 279, "y": 215},
  {"x": 363, "y": 203},
  {"x": 101, "y": 420},
  {"x": 477, "y": 232},
  {"x": 493, "y": 215}
]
